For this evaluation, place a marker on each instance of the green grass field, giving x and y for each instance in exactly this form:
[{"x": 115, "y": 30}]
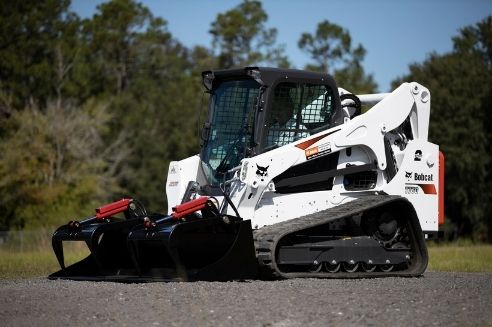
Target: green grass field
[
  {"x": 41, "y": 261},
  {"x": 36, "y": 262},
  {"x": 455, "y": 257}
]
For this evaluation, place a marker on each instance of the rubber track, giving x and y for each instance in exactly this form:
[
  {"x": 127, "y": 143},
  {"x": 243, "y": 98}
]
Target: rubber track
[{"x": 266, "y": 238}]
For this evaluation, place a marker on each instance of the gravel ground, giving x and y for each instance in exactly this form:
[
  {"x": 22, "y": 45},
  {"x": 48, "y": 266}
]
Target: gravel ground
[{"x": 442, "y": 299}]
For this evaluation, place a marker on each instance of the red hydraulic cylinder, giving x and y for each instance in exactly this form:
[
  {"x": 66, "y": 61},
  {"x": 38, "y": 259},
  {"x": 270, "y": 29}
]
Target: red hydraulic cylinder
[
  {"x": 189, "y": 207},
  {"x": 113, "y": 208}
]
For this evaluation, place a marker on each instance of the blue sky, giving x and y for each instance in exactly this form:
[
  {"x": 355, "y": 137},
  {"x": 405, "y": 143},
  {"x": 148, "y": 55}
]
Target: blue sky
[{"x": 395, "y": 33}]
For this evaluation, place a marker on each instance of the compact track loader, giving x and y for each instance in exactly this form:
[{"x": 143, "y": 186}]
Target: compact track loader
[{"x": 292, "y": 180}]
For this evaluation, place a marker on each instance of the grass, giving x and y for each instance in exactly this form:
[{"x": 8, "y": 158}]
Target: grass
[
  {"x": 456, "y": 257},
  {"x": 36, "y": 261}
]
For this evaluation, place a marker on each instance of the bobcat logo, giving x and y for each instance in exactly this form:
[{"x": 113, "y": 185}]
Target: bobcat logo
[
  {"x": 172, "y": 170},
  {"x": 261, "y": 171},
  {"x": 408, "y": 175}
]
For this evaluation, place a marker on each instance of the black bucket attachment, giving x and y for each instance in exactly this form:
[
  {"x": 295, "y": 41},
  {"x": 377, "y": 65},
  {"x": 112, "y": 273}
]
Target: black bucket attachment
[
  {"x": 105, "y": 236},
  {"x": 188, "y": 246},
  {"x": 184, "y": 246}
]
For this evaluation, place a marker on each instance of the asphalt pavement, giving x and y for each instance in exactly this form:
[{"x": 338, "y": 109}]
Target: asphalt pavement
[{"x": 436, "y": 299}]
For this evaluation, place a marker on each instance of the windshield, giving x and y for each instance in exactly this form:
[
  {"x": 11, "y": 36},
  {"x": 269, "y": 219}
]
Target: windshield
[{"x": 231, "y": 112}]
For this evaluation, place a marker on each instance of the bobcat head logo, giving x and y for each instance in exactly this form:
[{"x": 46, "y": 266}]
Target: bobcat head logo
[
  {"x": 408, "y": 175},
  {"x": 261, "y": 171}
]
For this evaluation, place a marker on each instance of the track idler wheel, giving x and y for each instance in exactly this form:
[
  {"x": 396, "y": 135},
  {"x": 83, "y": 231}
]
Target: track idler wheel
[
  {"x": 386, "y": 268},
  {"x": 332, "y": 267},
  {"x": 316, "y": 267},
  {"x": 350, "y": 266},
  {"x": 368, "y": 267}
]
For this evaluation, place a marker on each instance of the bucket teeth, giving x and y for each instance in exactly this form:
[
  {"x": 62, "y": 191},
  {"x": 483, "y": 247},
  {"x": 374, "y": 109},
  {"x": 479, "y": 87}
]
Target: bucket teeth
[
  {"x": 106, "y": 242},
  {"x": 171, "y": 249}
]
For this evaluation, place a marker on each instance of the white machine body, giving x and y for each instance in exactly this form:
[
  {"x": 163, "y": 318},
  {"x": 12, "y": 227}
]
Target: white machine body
[{"x": 359, "y": 141}]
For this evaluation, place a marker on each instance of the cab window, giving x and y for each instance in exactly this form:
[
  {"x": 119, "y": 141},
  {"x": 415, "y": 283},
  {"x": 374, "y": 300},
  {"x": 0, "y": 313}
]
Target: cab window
[{"x": 297, "y": 110}]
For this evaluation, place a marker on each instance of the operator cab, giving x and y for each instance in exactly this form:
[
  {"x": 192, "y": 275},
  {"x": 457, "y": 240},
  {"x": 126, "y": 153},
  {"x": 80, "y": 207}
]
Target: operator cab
[{"x": 254, "y": 110}]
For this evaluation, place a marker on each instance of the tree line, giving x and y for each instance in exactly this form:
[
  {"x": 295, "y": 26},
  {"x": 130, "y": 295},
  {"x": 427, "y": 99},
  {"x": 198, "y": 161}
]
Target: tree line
[
  {"x": 461, "y": 87},
  {"x": 94, "y": 109}
]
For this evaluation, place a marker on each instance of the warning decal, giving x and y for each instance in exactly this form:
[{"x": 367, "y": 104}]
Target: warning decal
[{"x": 318, "y": 151}]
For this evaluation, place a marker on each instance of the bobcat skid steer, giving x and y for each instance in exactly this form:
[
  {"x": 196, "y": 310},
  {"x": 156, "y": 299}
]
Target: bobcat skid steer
[{"x": 292, "y": 180}]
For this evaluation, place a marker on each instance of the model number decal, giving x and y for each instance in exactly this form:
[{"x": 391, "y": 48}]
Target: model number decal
[
  {"x": 415, "y": 189},
  {"x": 411, "y": 190}
]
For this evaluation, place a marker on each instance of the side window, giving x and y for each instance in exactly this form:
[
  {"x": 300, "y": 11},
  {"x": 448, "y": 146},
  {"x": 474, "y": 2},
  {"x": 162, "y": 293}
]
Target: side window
[
  {"x": 317, "y": 107},
  {"x": 297, "y": 110},
  {"x": 282, "y": 121}
]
